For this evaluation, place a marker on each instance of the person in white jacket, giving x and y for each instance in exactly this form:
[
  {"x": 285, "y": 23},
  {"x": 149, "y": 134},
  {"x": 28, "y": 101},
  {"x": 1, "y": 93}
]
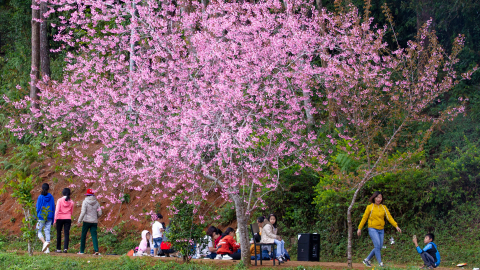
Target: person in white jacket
[
  {"x": 270, "y": 236},
  {"x": 91, "y": 211}
]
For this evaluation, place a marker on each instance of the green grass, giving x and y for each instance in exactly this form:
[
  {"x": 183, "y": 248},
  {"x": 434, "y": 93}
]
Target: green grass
[
  {"x": 119, "y": 242},
  {"x": 14, "y": 261}
]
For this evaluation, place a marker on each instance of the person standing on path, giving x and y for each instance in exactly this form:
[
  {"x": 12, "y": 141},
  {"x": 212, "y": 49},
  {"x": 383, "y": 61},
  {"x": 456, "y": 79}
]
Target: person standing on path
[
  {"x": 157, "y": 233},
  {"x": 63, "y": 219},
  {"x": 45, "y": 215},
  {"x": 91, "y": 211},
  {"x": 376, "y": 214}
]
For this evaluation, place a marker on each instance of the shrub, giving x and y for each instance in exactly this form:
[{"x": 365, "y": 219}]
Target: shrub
[{"x": 183, "y": 232}]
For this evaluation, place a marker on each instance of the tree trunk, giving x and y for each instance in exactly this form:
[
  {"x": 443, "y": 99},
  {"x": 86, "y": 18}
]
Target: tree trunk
[
  {"x": 29, "y": 247},
  {"x": 242, "y": 225},
  {"x": 34, "y": 74},
  {"x": 424, "y": 13},
  {"x": 44, "y": 49},
  {"x": 350, "y": 226}
]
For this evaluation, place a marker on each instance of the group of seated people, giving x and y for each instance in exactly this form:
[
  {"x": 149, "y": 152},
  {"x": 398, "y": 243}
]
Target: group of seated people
[{"x": 223, "y": 246}]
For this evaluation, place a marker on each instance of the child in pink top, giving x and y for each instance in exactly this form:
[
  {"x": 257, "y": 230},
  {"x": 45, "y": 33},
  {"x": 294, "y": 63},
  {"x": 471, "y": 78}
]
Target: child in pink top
[{"x": 63, "y": 219}]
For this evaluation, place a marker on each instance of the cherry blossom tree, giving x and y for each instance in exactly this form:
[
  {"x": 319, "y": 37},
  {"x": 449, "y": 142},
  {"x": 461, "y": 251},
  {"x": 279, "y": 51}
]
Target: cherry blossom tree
[
  {"x": 216, "y": 101},
  {"x": 222, "y": 97}
]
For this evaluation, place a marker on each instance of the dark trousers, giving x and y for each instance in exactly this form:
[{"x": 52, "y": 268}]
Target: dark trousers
[
  {"x": 428, "y": 260},
  {"x": 211, "y": 256},
  {"x": 93, "y": 231},
  {"x": 63, "y": 223},
  {"x": 236, "y": 256}
]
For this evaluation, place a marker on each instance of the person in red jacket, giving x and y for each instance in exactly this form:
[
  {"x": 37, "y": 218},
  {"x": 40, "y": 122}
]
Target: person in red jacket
[{"x": 227, "y": 247}]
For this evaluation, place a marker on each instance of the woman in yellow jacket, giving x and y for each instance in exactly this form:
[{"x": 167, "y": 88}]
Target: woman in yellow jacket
[{"x": 376, "y": 214}]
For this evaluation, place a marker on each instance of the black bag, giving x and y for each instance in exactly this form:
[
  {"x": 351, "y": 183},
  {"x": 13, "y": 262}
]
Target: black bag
[{"x": 257, "y": 238}]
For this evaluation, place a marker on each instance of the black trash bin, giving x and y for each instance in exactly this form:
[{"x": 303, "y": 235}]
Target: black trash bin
[{"x": 308, "y": 247}]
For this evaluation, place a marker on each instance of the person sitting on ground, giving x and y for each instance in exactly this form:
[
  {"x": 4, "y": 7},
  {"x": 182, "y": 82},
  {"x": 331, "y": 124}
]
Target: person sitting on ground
[
  {"x": 157, "y": 233},
  {"x": 209, "y": 251},
  {"x": 429, "y": 254},
  {"x": 269, "y": 236},
  {"x": 217, "y": 236},
  {"x": 145, "y": 244},
  {"x": 227, "y": 247},
  {"x": 166, "y": 249}
]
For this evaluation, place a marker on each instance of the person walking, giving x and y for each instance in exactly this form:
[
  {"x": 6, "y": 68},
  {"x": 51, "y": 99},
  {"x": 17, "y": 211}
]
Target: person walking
[
  {"x": 91, "y": 211},
  {"x": 376, "y": 214},
  {"x": 45, "y": 215},
  {"x": 63, "y": 219}
]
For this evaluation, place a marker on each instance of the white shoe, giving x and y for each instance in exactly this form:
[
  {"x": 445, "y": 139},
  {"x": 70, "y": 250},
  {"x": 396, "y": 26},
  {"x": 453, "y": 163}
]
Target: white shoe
[
  {"x": 47, "y": 251},
  {"x": 219, "y": 257},
  {"x": 367, "y": 263},
  {"x": 226, "y": 257},
  {"x": 381, "y": 264},
  {"x": 45, "y": 245}
]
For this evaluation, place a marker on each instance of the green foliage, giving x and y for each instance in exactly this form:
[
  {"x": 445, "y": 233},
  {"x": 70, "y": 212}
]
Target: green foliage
[
  {"x": 117, "y": 240},
  {"x": 421, "y": 200},
  {"x": 292, "y": 203},
  {"x": 457, "y": 180},
  {"x": 227, "y": 214},
  {"x": 21, "y": 191},
  {"x": 125, "y": 198},
  {"x": 183, "y": 230},
  {"x": 20, "y": 159}
]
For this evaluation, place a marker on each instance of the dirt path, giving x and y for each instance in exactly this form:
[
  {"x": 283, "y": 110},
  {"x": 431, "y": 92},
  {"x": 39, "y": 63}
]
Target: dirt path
[{"x": 221, "y": 263}]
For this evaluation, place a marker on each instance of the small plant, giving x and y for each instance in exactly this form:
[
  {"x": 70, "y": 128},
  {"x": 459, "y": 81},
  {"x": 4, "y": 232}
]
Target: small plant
[
  {"x": 183, "y": 232},
  {"x": 12, "y": 220},
  {"x": 22, "y": 187},
  {"x": 70, "y": 179},
  {"x": 3, "y": 148},
  {"x": 158, "y": 207},
  {"x": 125, "y": 198},
  {"x": 145, "y": 214}
]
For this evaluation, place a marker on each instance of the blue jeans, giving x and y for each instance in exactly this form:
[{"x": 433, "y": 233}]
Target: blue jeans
[
  {"x": 428, "y": 260},
  {"x": 377, "y": 239},
  {"x": 211, "y": 256},
  {"x": 280, "y": 248},
  {"x": 157, "y": 242},
  {"x": 46, "y": 226}
]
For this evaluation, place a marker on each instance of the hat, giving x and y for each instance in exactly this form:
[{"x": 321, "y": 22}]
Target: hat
[{"x": 89, "y": 192}]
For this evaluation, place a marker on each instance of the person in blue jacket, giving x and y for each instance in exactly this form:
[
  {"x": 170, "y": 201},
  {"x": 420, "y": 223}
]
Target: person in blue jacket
[
  {"x": 45, "y": 210},
  {"x": 429, "y": 254}
]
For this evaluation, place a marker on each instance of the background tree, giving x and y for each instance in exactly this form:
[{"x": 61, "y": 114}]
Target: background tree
[
  {"x": 44, "y": 48},
  {"x": 35, "y": 72},
  {"x": 379, "y": 96},
  {"x": 220, "y": 103}
]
